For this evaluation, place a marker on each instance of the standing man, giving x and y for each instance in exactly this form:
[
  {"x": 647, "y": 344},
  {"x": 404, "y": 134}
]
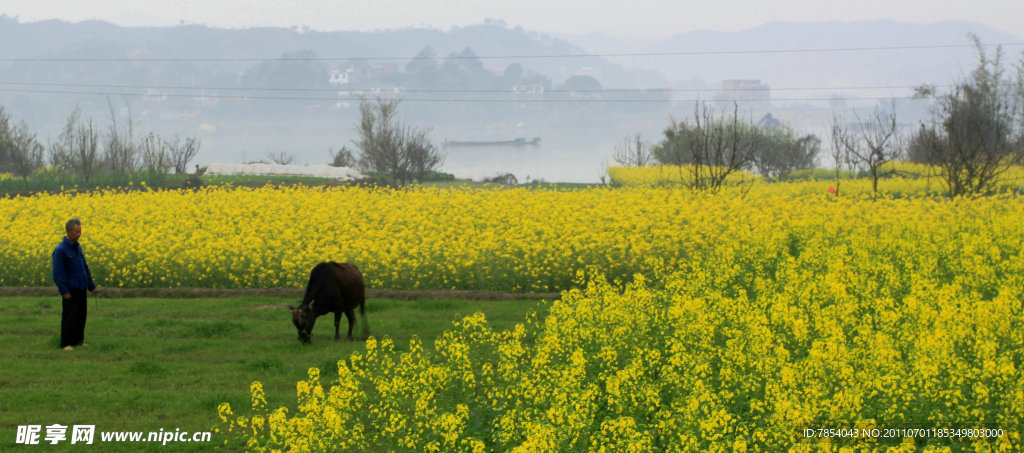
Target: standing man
[{"x": 73, "y": 278}]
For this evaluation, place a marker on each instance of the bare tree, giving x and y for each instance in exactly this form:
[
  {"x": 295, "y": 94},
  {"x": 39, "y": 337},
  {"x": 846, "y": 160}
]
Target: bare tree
[
  {"x": 710, "y": 149},
  {"x": 181, "y": 152},
  {"x": 281, "y": 158},
  {"x": 62, "y": 154},
  {"x": 85, "y": 150},
  {"x": 76, "y": 150},
  {"x": 120, "y": 154},
  {"x": 633, "y": 152},
  {"x": 718, "y": 147},
  {"x": 20, "y": 152},
  {"x": 874, "y": 143},
  {"x": 6, "y": 140},
  {"x": 840, "y": 153},
  {"x": 26, "y": 153},
  {"x": 155, "y": 156}
]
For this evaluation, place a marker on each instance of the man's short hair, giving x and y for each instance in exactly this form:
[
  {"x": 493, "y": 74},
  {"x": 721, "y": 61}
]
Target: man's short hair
[{"x": 71, "y": 224}]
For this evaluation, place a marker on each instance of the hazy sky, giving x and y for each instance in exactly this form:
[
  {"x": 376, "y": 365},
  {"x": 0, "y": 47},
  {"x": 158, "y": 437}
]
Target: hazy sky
[{"x": 640, "y": 18}]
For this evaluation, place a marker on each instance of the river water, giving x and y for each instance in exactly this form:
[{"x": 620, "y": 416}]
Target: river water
[{"x": 566, "y": 153}]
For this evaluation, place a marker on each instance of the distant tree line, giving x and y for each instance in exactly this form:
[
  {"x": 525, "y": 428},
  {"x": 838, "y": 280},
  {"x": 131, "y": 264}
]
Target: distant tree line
[
  {"x": 84, "y": 150},
  {"x": 388, "y": 149},
  {"x": 461, "y": 71},
  {"x": 425, "y": 71},
  {"x": 20, "y": 152},
  {"x": 712, "y": 145},
  {"x": 975, "y": 136},
  {"x": 977, "y": 132}
]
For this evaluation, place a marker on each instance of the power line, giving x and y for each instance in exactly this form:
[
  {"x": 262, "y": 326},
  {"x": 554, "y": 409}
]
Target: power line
[
  {"x": 439, "y": 100},
  {"x": 337, "y": 90},
  {"x": 502, "y": 57}
]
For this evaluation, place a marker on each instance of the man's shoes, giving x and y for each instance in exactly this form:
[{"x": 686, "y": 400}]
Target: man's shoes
[
  {"x": 69, "y": 348},
  {"x": 84, "y": 345}
]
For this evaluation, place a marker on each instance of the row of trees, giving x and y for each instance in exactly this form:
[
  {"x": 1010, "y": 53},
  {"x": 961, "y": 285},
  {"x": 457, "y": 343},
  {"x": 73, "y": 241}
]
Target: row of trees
[
  {"x": 978, "y": 130},
  {"x": 712, "y": 146},
  {"x": 976, "y": 135},
  {"x": 20, "y": 152},
  {"x": 426, "y": 71},
  {"x": 82, "y": 149},
  {"x": 462, "y": 70},
  {"x": 388, "y": 148}
]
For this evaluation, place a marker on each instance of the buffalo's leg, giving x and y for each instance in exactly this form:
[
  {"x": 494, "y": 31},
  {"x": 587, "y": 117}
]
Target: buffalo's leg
[
  {"x": 337, "y": 326},
  {"x": 351, "y": 322}
]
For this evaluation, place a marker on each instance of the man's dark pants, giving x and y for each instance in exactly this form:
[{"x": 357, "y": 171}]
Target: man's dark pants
[{"x": 72, "y": 319}]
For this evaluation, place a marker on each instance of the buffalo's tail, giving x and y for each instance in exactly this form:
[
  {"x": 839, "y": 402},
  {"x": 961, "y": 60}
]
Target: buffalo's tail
[{"x": 362, "y": 314}]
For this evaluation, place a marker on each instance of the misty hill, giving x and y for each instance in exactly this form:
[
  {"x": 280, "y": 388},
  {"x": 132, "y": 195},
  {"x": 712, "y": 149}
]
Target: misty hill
[
  {"x": 698, "y": 59},
  {"x": 713, "y": 56},
  {"x": 96, "y": 39}
]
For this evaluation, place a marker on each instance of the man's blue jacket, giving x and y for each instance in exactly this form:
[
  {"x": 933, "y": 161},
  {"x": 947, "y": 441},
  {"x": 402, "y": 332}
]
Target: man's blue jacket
[{"x": 69, "y": 268}]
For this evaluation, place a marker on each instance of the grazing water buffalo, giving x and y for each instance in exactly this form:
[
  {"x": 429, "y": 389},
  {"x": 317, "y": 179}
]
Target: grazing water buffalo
[{"x": 333, "y": 287}]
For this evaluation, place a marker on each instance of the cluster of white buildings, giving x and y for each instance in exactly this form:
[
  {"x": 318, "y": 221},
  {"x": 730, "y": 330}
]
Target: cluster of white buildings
[{"x": 321, "y": 171}]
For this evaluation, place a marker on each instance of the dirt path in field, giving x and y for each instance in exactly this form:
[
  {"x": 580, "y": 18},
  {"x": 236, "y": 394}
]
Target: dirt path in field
[{"x": 294, "y": 293}]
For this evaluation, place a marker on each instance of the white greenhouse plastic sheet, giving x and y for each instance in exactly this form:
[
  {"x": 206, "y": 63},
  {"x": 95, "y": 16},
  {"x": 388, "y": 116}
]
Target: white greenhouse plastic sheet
[{"x": 320, "y": 171}]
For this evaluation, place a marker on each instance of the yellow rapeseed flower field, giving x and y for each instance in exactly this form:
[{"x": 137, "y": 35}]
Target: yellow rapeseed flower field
[
  {"x": 900, "y": 179},
  {"x": 689, "y": 322},
  {"x": 669, "y": 175},
  {"x": 683, "y": 365},
  {"x": 510, "y": 240}
]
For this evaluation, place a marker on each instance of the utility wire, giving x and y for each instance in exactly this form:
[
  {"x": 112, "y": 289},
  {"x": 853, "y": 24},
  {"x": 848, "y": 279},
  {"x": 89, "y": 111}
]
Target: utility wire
[
  {"x": 505, "y": 57},
  {"x": 337, "y": 90},
  {"x": 415, "y": 99}
]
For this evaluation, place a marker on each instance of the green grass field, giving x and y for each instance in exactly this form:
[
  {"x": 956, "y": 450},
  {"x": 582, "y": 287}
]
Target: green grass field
[{"x": 166, "y": 364}]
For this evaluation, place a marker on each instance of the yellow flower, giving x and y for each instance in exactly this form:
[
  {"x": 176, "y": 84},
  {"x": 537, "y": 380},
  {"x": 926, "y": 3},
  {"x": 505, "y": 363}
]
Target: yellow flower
[{"x": 686, "y": 321}]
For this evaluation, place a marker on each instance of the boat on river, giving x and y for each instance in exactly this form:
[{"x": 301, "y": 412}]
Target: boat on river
[{"x": 519, "y": 141}]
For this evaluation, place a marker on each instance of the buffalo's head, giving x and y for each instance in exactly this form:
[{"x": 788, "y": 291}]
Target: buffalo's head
[{"x": 302, "y": 317}]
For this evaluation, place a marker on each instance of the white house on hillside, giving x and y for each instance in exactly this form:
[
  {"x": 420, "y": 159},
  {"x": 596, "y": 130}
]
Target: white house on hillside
[{"x": 340, "y": 77}]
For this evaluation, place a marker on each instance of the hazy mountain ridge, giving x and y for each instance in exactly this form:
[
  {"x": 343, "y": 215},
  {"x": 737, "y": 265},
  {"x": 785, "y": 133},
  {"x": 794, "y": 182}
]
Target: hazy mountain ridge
[
  {"x": 95, "y": 39},
  {"x": 684, "y": 59}
]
